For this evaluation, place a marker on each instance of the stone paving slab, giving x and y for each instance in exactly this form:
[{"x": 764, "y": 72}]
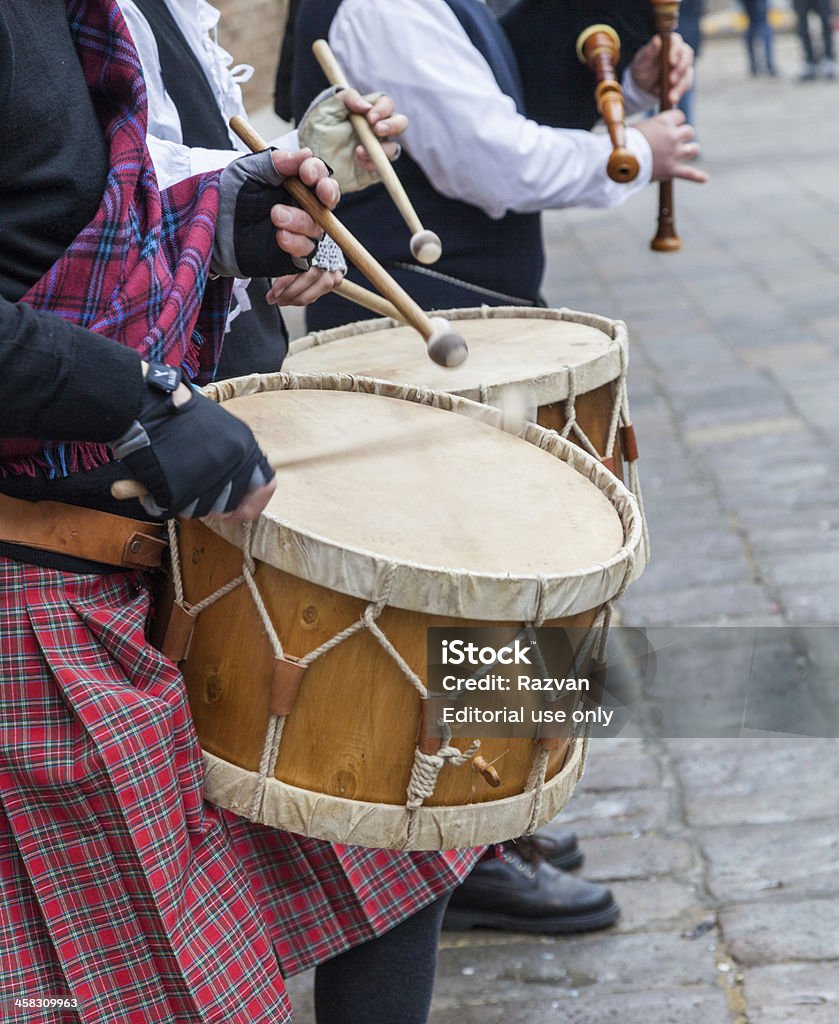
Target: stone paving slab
[
  {"x": 776, "y": 931},
  {"x": 620, "y": 772},
  {"x": 693, "y": 1005},
  {"x": 793, "y": 994},
  {"x": 744, "y": 861},
  {"x": 614, "y": 963},
  {"x": 659, "y": 903},
  {"x": 730, "y": 782},
  {"x": 707, "y": 605},
  {"x": 616, "y": 812},
  {"x": 625, "y": 857}
]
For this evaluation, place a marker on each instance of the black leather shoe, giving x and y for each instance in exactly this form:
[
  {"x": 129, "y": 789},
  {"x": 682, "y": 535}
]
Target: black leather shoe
[
  {"x": 521, "y": 892},
  {"x": 559, "y": 847}
]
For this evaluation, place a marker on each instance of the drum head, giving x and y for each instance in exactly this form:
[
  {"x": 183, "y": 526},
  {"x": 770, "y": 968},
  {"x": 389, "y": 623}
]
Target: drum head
[
  {"x": 507, "y": 347},
  {"x": 419, "y": 485},
  {"x": 368, "y": 481}
]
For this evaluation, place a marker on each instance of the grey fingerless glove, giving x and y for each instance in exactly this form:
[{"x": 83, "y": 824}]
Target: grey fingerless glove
[{"x": 245, "y": 243}]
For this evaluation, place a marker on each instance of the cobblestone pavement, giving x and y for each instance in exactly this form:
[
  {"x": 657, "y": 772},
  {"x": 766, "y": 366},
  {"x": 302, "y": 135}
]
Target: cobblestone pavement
[{"x": 724, "y": 854}]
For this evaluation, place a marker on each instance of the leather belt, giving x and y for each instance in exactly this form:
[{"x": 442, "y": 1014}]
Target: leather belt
[{"x": 82, "y": 533}]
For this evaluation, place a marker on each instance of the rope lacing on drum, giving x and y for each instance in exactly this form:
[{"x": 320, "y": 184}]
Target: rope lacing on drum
[
  {"x": 367, "y": 620},
  {"x": 178, "y": 581},
  {"x": 633, "y": 476},
  {"x": 424, "y": 774},
  {"x": 537, "y": 778}
]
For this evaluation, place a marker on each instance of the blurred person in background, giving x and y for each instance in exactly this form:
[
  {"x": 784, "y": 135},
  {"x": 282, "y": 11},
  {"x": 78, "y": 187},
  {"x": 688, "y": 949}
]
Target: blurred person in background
[
  {"x": 690, "y": 28},
  {"x": 826, "y": 63},
  {"x": 758, "y": 28}
]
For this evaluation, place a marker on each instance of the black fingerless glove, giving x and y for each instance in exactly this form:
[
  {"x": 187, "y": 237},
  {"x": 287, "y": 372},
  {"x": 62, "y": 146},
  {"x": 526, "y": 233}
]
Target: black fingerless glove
[
  {"x": 195, "y": 459},
  {"x": 245, "y": 243}
]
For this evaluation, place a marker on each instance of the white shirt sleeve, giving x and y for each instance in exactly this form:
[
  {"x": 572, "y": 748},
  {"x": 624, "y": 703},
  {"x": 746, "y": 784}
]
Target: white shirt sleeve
[
  {"x": 635, "y": 99},
  {"x": 465, "y": 133},
  {"x": 173, "y": 161}
]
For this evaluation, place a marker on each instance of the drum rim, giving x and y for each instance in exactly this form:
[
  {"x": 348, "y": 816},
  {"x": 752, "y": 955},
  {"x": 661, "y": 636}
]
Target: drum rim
[
  {"x": 548, "y": 386},
  {"x": 385, "y": 826},
  {"x": 461, "y": 593}
]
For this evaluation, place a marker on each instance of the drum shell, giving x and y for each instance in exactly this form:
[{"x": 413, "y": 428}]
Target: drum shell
[
  {"x": 355, "y": 721},
  {"x": 349, "y": 743}
]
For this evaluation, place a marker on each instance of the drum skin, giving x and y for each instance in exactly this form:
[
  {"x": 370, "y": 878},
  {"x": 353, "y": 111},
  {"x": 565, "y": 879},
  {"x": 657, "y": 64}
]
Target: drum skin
[{"x": 510, "y": 348}]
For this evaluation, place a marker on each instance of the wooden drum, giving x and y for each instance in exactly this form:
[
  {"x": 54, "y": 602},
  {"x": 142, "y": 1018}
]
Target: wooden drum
[
  {"x": 397, "y": 509},
  {"x": 567, "y": 368}
]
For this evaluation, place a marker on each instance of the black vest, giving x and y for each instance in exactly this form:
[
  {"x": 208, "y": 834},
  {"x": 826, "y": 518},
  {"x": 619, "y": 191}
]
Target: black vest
[
  {"x": 558, "y": 89},
  {"x": 257, "y": 340},
  {"x": 491, "y": 261}
]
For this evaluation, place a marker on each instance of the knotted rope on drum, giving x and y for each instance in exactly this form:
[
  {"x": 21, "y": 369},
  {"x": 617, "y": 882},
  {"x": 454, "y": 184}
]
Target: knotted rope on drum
[
  {"x": 193, "y": 610},
  {"x": 619, "y": 420},
  {"x": 537, "y": 778},
  {"x": 368, "y": 621},
  {"x": 274, "y": 733},
  {"x": 425, "y": 772}
]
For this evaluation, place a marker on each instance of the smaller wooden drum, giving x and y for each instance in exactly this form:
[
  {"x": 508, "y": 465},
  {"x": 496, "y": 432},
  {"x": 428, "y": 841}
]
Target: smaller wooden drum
[
  {"x": 567, "y": 368},
  {"x": 397, "y": 509}
]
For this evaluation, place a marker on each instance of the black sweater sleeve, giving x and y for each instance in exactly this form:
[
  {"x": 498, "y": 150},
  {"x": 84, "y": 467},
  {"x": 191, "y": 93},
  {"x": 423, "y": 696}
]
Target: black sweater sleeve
[{"x": 62, "y": 382}]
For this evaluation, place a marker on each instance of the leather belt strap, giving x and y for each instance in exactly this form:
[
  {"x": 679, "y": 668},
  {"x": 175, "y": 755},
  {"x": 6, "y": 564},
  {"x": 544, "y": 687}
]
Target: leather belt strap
[{"x": 82, "y": 533}]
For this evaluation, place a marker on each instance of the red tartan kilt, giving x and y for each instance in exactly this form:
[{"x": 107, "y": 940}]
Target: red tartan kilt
[
  {"x": 117, "y": 877},
  {"x": 320, "y": 898},
  {"x": 119, "y": 885}
]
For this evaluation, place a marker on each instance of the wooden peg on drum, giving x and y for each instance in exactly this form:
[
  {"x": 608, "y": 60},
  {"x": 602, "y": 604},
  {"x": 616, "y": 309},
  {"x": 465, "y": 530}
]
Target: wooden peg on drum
[
  {"x": 666, "y": 14},
  {"x": 445, "y": 346},
  {"x": 599, "y": 48},
  {"x": 425, "y": 245},
  {"x": 487, "y": 770}
]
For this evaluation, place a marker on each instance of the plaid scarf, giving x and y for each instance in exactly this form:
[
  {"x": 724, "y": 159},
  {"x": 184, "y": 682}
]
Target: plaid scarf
[{"x": 137, "y": 273}]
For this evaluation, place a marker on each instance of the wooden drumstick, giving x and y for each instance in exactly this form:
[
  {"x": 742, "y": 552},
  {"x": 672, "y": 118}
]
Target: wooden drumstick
[
  {"x": 666, "y": 22},
  {"x": 445, "y": 346},
  {"x": 122, "y": 490},
  {"x": 353, "y": 292},
  {"x": 599, "y": 48},
  {"x": 425, "y": 245}
]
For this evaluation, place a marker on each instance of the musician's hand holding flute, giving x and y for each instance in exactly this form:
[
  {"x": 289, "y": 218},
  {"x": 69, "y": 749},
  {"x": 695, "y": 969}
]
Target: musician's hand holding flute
[{"x": 671, "y": 138}]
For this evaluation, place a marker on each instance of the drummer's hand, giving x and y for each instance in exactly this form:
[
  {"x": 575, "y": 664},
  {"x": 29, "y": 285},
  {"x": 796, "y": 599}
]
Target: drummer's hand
[
  {"x": 311, "y": 171},
  {"x": 295, "y": 228},
  {"x": 253, "y": 212},
  {"x": 382, "y": 117},
  {"x": 303, "y": 289},
  {"x": 645, "y": 68},
  {"x": 251, "y": 506},
  {"x": 191, "y": 455}
]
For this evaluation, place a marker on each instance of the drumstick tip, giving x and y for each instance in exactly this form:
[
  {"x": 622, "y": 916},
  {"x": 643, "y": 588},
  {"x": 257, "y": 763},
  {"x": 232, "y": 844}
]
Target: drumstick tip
[
  {"x": 445, "y": 346},
  {"x": 426, "y": 247}
]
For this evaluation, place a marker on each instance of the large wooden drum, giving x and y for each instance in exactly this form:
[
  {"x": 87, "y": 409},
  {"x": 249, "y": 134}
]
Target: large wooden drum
[
  {"x": 567, "y": 368},
  {"x": 397, "y": 509}
]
